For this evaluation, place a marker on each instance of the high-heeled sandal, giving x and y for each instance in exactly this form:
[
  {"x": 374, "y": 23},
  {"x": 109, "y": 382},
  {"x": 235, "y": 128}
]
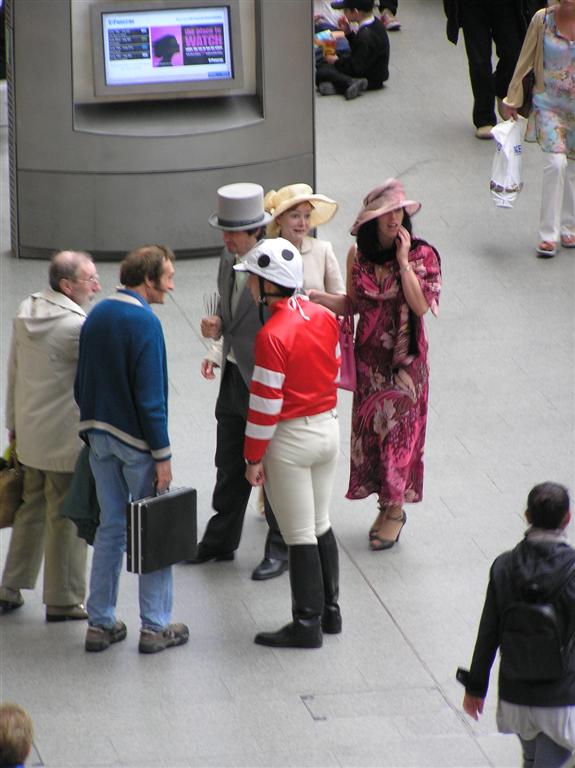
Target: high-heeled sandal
[
  {"x": 377, "y": 543},
  {"x": 378, "y": 521}
]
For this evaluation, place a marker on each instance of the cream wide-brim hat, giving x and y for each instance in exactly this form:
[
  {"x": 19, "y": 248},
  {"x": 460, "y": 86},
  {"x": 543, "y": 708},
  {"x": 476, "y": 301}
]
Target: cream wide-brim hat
[{"x": 276, "y": 203}]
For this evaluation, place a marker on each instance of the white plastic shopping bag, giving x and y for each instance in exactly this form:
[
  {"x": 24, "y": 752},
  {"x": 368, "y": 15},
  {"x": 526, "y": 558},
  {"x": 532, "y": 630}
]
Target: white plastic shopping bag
[{"x": 506, "y": 181}]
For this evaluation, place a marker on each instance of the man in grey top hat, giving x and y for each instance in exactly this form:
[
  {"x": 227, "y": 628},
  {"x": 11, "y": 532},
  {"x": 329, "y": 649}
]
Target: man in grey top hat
[{"x": 242, "y": 218}]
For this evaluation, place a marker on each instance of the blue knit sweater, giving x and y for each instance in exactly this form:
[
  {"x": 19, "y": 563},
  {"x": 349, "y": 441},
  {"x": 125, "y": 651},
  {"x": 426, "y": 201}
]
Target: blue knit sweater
[{"x": 122, "y": 379}]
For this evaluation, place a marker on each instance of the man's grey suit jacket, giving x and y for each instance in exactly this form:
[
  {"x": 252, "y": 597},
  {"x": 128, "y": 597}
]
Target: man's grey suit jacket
[{"x": 239, "y": 331}]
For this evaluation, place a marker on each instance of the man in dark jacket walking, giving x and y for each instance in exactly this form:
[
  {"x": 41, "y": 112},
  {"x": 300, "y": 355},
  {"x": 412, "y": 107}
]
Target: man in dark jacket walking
[
  {"x": 536, "y": 580},
  {"x": 484, "y": 22}
]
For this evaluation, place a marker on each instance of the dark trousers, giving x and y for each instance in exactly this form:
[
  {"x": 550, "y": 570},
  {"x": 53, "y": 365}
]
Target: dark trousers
[
  {"x": 232, "y": 490},
  {"x": 485, "y": 22},
  {"x": 542, "y": 752},
  {"x": 391, "y": 5},
  {"x": 327, "y": 73}
]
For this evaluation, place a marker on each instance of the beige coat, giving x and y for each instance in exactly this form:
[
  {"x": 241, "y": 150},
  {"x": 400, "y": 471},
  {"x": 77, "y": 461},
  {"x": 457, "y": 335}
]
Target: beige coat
[
  {"x": 320, "y": 267},
  {"x": 530, "y": 58},
  {"x": 40, "y": 405}
]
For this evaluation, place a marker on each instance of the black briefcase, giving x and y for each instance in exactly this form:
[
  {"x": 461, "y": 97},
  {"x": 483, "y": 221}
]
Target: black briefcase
[{"x": 162, "y": 530}]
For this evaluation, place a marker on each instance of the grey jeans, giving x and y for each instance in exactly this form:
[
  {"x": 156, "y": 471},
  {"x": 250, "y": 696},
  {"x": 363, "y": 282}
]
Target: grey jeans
[{"x": 543, "y": 752}]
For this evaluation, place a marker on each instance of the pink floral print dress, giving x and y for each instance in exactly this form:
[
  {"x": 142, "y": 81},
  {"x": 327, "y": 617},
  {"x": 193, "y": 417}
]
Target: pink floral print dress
[{"x": 390, "y": 403}]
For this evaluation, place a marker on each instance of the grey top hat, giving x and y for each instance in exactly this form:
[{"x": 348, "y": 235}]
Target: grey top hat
[{"x": 240, "y": 207}]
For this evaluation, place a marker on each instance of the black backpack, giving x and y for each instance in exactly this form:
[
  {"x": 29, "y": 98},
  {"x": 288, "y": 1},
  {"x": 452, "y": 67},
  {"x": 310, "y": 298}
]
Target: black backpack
[{"x": 534, "y": 644}]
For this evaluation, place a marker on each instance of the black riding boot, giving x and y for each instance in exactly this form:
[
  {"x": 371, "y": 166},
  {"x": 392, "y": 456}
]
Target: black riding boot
[
  {"x": 329, "y": 558},
  {"x": 307, "y": 602}
]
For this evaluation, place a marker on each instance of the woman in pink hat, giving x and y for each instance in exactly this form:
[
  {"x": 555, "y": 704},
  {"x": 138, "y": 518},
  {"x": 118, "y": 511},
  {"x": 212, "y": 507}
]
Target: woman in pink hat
[{"x": 392, "y": 280}]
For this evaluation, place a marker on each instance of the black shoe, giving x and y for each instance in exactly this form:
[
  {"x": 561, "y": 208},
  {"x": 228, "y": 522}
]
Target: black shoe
[
  {"x": 204, "y": 555},
  {"x": 295, "y": 635},
  {"x": 269, "y": 568},
  {"x": 331, "y": 622},
  {"x": 10, "y": 599},
  {"x": 66, "y": 613},
  {"x": 307, "y": 602}
]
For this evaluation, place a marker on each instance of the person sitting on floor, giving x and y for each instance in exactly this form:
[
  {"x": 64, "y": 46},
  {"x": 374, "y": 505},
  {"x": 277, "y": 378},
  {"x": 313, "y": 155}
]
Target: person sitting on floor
[{"x": 366, "y": 66}]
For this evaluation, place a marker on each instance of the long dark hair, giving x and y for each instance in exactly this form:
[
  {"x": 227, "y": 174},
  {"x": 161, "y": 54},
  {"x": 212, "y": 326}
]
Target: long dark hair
[{"x": 369, "y": 245}]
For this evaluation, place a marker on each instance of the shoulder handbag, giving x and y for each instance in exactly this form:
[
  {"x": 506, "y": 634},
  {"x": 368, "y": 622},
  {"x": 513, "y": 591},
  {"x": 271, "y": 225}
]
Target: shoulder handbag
[
  {"x": 528, "y": 83},
  {"x": 11, "y": 482},
  {"x": 347, "y": 373}
]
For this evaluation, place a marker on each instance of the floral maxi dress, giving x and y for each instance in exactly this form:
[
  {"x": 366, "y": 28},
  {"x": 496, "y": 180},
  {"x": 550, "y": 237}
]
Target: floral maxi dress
[
  {"x": 390, "y": 402},
  {"x": 552, "y": 119}
]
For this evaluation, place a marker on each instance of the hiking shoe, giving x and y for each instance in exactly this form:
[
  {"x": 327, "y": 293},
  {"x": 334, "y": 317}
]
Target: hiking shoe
[
  {"x": 358, "y": 86},
  {"x": 66, "y": 613},
  {"x": 99, "y": 638},
  {"x": 10, "y": 599},
  {"x": 327, "y": 89},
  {"x": 154, "y": 642}
]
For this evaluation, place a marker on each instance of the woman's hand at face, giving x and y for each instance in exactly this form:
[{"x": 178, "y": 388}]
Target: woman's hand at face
[{"x": 403, "y": 246}]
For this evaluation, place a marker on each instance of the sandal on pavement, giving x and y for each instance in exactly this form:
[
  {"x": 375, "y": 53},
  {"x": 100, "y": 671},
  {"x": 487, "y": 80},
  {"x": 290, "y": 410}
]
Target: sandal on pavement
[
  {"x": 378, "y": 522},
  {"x": 546, "y": 249},
  {"x": 378, "y": 543},
  {"x": 568, "y": 241}
]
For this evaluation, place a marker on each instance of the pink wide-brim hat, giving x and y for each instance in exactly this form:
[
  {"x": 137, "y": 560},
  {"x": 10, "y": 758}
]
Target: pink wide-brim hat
[{"x": 383, "y": 199}]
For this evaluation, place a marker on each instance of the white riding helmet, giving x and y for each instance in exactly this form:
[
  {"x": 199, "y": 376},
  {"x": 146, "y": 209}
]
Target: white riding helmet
[{"x": 276, "y": 260}]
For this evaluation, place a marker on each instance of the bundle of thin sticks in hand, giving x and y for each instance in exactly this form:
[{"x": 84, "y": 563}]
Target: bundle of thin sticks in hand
[{"x": 211, "y": 303}]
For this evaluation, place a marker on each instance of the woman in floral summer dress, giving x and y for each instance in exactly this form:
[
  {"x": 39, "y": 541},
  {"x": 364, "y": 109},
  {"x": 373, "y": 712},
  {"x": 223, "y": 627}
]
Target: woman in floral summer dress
[
  {"x": 392, "y": 280},
  {"x": 549, "y": 50}
]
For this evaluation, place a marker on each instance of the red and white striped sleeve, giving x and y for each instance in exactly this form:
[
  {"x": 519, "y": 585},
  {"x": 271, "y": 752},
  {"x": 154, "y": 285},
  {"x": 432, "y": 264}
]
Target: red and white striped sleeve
[{"x": 266, "y": 396}]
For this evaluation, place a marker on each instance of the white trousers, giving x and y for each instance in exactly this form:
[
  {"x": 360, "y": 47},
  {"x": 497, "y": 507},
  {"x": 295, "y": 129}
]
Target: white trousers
[
  {"x": 300, "y": 465},
  {"x": 557, "y": 197}
]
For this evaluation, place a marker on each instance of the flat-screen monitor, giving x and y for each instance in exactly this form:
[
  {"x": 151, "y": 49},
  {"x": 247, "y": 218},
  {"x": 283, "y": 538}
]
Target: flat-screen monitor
[{"x": 186, "y": 47}]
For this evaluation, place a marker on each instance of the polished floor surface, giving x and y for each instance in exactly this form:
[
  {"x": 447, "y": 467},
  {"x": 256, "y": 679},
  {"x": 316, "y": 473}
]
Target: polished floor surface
[{"x": 383, "y": 693}]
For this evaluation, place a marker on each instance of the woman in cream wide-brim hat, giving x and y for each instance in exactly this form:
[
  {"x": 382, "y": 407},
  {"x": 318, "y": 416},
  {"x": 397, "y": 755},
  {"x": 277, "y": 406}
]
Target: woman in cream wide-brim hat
[{"x": 295, "y": 210}]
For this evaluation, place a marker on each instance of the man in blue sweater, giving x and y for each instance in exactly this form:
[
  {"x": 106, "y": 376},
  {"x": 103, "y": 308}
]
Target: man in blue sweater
[{"x": 122, "y": 390}]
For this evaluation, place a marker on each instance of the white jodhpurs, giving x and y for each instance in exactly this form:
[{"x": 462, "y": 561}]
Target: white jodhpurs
[
  {"x": 557, "y": 198},
  {"x": 300, "y": 465}
]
